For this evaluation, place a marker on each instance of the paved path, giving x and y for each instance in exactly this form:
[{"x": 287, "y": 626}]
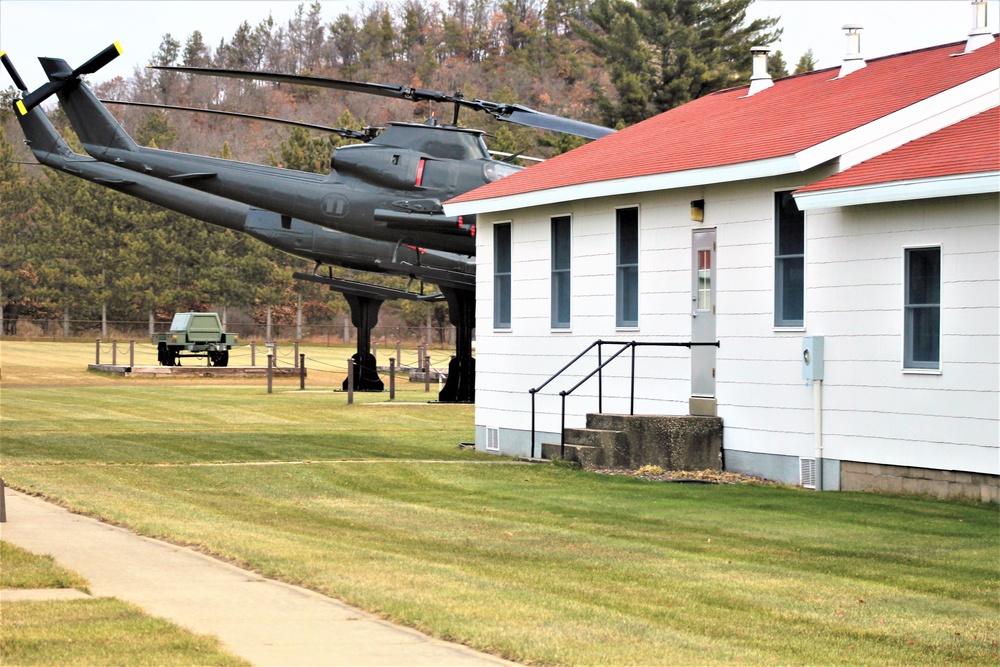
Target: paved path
[{"x": 264, "y": 621}]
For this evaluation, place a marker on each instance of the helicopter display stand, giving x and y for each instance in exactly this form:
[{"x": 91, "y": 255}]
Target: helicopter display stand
[
  {"x": 461, "y": 384},
  {"x": 364, "y": 316},
  {"x": 365, "y": 301}
]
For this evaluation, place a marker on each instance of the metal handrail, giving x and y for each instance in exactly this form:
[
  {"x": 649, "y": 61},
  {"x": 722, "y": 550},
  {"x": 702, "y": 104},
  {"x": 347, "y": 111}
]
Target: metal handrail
[{"x": 600, "y": 382}]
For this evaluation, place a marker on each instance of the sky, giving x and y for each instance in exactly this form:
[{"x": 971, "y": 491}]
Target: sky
[{"x": 78, "y": 29}]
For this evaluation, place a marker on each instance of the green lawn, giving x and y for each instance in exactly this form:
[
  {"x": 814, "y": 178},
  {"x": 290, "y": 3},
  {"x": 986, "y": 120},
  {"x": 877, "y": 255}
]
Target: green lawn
[
  {"x": 375, "y": 504},
  {"x": 87, "y": 632}
]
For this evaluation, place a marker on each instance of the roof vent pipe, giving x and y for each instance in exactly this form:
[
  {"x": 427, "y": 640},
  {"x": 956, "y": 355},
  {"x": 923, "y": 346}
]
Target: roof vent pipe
[
  {"x": 980, "y": 34},
  {"x": 853, "y": 61},
  {"x": 760, "y": 79}
]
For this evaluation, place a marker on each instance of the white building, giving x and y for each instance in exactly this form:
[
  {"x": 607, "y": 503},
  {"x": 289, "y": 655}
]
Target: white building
[{"x": 857, "y": 205}]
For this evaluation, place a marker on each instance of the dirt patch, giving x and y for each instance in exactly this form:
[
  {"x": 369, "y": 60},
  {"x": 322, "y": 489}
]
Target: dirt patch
[{"x": 656, "y": 474}]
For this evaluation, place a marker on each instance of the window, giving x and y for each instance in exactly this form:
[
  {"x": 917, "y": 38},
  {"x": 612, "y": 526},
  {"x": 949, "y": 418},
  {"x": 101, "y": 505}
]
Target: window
[
  {"x": 922, "y": 310},
  {"x": 789, "y": 261},
  {"x": 627, "y": 302},
  {"x": 501, "y": 276},
  {"x": 560, "y": 272}
]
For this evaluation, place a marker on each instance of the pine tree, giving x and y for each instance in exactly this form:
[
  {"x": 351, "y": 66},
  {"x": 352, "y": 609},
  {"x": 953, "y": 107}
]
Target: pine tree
[
  {"x": 807, "y": 63},
  {"x": 664, "y": 53}
]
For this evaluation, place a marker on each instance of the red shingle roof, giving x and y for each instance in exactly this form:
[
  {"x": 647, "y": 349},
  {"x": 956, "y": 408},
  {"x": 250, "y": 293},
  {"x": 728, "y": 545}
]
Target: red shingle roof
[
  {"x": 969, "y": 147},
  {"x": 728, "y": 128}
]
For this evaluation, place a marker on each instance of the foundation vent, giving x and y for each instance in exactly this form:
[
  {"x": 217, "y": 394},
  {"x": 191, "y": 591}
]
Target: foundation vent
[
  {"x": 492, "y": 439},
  {"x": 807, "y": 473}
]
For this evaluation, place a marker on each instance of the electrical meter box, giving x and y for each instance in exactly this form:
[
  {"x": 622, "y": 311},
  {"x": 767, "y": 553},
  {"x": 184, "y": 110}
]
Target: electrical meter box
[{"x": 812, "y": 358}]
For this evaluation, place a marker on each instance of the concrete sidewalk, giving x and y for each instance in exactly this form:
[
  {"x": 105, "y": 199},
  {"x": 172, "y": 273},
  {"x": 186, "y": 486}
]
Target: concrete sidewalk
[{"x": 264, "y": 621}]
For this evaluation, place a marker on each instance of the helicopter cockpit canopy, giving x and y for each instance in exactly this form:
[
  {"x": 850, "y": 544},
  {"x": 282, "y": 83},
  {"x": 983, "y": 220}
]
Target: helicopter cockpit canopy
[{"x": 447, "y": 143}]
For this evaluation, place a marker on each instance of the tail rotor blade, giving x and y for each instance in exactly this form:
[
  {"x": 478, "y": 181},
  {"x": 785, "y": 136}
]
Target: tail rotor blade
[
  {"x": 99, "y": 61},
  {"x": 9, "y": 66},
  {"x": 60, "y": 78}
]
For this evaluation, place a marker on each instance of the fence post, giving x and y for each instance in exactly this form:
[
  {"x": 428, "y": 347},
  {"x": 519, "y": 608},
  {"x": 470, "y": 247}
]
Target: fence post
[
  {"x": 270, "y": 371},
  {"x": 131, "y": 353},
  {"x": 253, "y": 353},
  {"x": 427, "y": 372},
  {"x": 302, "y": 371},
  {"x": 114, "y": 353},
  {"x": 3, "y": 503},
  {"x": 97, "y": 346},
  {"x": 392, "y": 379},
  {"x": 295, "y": 356},
  {"x": 350, "y": 381}
]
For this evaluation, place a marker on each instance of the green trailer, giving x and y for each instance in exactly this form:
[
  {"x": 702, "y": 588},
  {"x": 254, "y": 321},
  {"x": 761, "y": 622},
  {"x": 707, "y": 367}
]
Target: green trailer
[{"x": 194, "y": 335}]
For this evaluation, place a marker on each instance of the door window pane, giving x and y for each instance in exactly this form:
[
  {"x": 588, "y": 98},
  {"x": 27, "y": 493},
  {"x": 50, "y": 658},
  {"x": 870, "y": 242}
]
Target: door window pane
[{"x": 704, "y": 280}]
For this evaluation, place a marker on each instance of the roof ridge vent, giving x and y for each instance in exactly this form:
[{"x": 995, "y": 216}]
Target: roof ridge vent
[
  {"x": 980, "y": 34},
  {"x": 853, "y": 61},
  {"x": 761, "y": 78}
]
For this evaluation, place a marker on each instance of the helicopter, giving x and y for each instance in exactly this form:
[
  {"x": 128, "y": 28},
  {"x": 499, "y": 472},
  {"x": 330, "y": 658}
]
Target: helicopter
[{"x": 388, "y": 189}]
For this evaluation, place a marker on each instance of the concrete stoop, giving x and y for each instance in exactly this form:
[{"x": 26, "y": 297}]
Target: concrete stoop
[{"x": 632, "y": 441}]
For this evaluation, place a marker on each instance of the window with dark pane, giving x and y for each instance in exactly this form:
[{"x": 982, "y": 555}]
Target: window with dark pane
[
  {"x": 789, "y": 262},
  {"x": 561, "y": 255},
  {"x": 501, "y": 276},
  {"x": 627, "y": 301},
  {"x": 922, "y": 317}
]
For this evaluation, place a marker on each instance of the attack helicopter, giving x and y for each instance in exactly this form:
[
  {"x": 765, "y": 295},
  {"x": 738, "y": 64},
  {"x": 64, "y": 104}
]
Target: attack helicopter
[{"x": 387, "y": 190}]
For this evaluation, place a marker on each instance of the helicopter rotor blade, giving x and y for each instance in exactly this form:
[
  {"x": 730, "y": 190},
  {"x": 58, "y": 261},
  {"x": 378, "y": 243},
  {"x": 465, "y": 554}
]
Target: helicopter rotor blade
[
  {"x": 9, "y": 66},
  {"x": 511, "y": 113},
  {"x": 531, "y": 118},
  {"x": 381, "y": 89},
  {"x": 360, "y": 135}
]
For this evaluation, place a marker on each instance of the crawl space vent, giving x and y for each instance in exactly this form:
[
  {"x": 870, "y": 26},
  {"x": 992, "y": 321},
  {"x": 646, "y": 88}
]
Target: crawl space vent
[
  {"x": 807, "y": 473},
  {"x": 492, "y": 439}
]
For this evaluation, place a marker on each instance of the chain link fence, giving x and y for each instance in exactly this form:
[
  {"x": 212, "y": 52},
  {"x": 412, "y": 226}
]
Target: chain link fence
[{"x": 328, "y": 333}]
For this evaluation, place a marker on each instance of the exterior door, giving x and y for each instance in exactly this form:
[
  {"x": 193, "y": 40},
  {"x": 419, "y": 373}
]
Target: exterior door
[{"x": 703, "y": 313}]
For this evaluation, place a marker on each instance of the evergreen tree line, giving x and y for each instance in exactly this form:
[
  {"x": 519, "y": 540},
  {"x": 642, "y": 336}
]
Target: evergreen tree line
[{"x": 74, "y": 250}]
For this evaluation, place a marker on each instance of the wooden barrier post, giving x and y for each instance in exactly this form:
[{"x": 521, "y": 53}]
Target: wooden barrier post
[
  {"x": 392, "y": 379},
  {"x": 350, "y": 381},
  {"x": 270, "y": 372},
  {"x": 97, "y": 357},
  {"x": 302, "y": 371},
  {"x": 295, "y": 356},
  {"x": 253, "y": 353},
  {"x": 114, "y": 353},
  {"x": 131, "y": 353},
  {"x": 427, "y": 372}
]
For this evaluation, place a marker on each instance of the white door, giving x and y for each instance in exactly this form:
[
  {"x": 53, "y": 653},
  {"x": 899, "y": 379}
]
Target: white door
[{"x": 703, "y": 313}]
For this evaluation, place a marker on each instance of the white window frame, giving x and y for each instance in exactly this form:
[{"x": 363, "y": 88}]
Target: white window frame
[
  {"x": 780, "y": 322},
  {"x": 556, "y": 299},
  {"x": 499, "y": 325},
  {"x": 909, "y": 365},
  {"x": 620, "y": 322}
]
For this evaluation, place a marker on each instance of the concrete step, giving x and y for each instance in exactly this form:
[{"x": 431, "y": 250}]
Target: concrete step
[
  {"x": 586, "y": 456},
  {"x": 615, "y": 443}
]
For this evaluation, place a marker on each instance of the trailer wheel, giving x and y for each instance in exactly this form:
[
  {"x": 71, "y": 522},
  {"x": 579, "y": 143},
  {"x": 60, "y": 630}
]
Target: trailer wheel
[{"x": 219, "y": 359}]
